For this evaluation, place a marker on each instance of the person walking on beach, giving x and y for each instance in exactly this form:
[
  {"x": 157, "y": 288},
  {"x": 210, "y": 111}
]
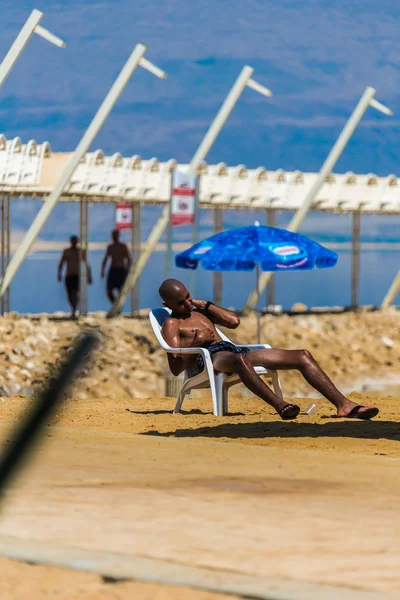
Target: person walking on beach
[
  {"x": 120, "y": 264},
  {"x": 192, "y": 324},
  {"x": 72, "y": 257}
]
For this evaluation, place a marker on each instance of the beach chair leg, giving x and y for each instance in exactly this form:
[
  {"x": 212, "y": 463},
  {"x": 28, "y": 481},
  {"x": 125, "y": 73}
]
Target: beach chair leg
[
  {"x": 225, "y": 391},
  {"x": 213, "y": 390},
  {"x": 219, "y": 389},
  {"x": 277, "y": 384}
]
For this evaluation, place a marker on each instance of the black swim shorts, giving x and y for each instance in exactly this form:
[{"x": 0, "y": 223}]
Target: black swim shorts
[
  {"x": 219, "y": 347},
  {"x": 72, "y": 283},
  {"x": 116, "y": 278}
]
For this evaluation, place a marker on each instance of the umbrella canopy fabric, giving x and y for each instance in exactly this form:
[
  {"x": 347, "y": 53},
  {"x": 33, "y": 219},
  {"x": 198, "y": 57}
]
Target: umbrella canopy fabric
[{"x": 242, "y": 249}]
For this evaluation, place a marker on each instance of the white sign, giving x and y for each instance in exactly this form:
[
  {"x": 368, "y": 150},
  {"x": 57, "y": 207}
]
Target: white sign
[
  {"x": 183, "y": 198},
  {"x": 123, "y": 217}
]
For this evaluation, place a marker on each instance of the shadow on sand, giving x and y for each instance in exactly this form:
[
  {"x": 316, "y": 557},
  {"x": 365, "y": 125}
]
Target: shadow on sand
[
  {"x": 373, "y": 430},
  {"x": 195, "y": 411}
]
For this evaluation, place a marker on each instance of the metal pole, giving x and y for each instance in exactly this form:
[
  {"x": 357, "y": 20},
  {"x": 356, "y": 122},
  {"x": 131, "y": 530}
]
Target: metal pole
[
  {"x": 195, "y": 232},
  {"x": 84, "y": 254},
  {"x": 3, "y": 247},
  {"x": 236, "y": 91},
  {"x": 132, "y": 252},
  {"x": 340, "y": 144},
  {"x": 220, "y": 118},
  {"x": 199, "y": 156},
  {"x": 241, "y": 82},
  {"x": 86, "y": 263},
  {"x": 31, "y": 26},
  {"x": 392, "y": 292},
  {"x": 116, "y": 90},
  {"x": 258, "y": 304},
  {"x": 81, "y": 254},
  {"x": 355, "y": 260},
  {"x": 136, "y": 241},
  {"x": 8, "y": 246},
  {"x": 168, "y": 257},
  {"x": 217, "y": 275},
  {"x": 271, "y": 287}
]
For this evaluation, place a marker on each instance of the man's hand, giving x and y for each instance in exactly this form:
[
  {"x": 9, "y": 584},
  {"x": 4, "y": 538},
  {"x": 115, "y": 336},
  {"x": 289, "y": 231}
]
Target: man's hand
[
  {"x": 200, "y": 304},
  {"x": 217, "y": 314},
  {"x": 203, "y": 337}
]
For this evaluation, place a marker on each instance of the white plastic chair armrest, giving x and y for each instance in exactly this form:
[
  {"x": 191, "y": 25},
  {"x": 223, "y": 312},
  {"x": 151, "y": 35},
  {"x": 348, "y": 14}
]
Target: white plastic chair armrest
[
  {"x": 256, "y": 346},
  {"x": 203, "y": 351}
]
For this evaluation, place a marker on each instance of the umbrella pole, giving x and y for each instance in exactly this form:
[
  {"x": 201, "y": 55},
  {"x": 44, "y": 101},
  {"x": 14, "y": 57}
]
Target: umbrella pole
[{"x": 258, "y": 305}]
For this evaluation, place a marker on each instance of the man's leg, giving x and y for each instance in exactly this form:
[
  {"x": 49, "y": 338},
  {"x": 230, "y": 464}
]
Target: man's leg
[
  {"x": 110, "y": 294},
  {"x": 304, "y": 362},
  {"x": 73, "y": 300},
  {"x": 111, "y": 285},
  {"x": 227, "y": 362},
  {"x": 72, "y": 295}
]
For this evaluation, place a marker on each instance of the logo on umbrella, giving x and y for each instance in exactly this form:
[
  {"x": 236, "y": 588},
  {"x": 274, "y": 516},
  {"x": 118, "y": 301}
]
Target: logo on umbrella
[
  {"x": 202, "y": 250},
  {"x": 285, "y": 250}
]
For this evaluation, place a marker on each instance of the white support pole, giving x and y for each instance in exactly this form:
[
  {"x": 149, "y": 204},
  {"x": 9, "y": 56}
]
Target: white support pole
[
  {"x": 50, "y": 37},
  {"x": 392, "y": 292},
  {"x": 220, "y": 119},
  {"x": 367, "y": 99},
  {"x": 31, "y": 26},
  {"x": 241, "y": 82},
  {"x": 209, "y": 139},
  {"x": 83, "y": 146},
  {"x": 355, "y": 259}
]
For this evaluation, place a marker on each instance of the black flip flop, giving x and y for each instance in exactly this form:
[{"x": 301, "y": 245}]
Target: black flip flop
[
  {"x": 365, "y": 415},
  {"x": 289, "y": 412}
]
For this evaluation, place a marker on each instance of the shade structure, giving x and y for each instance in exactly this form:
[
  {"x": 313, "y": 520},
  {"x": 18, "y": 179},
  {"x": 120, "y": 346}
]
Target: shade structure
[{"x": 244, "y": 248}]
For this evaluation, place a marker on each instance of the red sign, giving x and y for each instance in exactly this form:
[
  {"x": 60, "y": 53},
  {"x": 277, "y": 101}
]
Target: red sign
[
  {"x": 183, "y": 198},
  {"x": 123, "y": 217}
]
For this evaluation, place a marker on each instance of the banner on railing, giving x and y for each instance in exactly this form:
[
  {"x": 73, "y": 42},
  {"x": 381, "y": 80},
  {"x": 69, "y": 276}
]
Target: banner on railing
[
  {"x": 123, "y": 216},
  {"x": 183, "y": 198}
]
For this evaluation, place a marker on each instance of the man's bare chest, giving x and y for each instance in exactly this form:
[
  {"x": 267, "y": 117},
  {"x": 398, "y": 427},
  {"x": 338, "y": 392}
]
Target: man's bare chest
[{"x": 196, "y": 321}]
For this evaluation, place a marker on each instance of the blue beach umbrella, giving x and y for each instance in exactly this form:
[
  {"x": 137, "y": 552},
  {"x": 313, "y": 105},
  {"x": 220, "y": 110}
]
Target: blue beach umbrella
[{"x": 247, "y": 248}]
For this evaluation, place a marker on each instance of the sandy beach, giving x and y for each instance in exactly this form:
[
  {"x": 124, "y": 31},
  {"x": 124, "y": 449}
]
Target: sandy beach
[
  {"x": 118, "y": 479},
  {"x": 97, "y": 486}
]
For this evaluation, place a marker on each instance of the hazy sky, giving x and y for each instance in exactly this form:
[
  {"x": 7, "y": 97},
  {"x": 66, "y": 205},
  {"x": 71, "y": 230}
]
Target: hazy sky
[{"x": 316, "y": 56}]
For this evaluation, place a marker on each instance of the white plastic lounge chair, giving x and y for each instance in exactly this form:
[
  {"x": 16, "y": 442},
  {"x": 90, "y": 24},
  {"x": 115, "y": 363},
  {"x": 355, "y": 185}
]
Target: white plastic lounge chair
[{"x": 220, "y": 383}]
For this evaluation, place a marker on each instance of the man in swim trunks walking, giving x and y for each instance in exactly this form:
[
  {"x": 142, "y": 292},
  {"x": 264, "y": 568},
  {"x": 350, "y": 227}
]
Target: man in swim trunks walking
[
  {"x": 72, "y": 257},
  {"x": 192, "y": 324},
  {"x": 121, "y": 261}
]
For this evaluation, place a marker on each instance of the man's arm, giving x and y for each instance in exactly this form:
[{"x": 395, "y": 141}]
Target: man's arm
[
  {"x": 103, "y": 264},
  {"x": 217, "y": 314},
  {"x": 88, "y": 269},
  {"x": 128, "y": 258},
  {"x": 177, "y": 362},
  {"x": 60, "y": 266}
]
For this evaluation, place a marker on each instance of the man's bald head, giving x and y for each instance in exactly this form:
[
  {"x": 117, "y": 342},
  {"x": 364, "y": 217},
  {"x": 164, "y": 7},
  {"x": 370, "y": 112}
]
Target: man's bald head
[
  {"x": 171, "y": 288},
  {"x": 175, "y": 295}
]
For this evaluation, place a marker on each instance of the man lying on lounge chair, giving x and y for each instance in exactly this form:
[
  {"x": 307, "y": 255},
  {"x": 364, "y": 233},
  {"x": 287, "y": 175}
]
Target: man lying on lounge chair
[{"x": 192, "y": 324}]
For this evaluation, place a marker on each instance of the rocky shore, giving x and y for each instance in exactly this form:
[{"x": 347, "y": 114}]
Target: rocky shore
[{"x": 359, "y": 350}]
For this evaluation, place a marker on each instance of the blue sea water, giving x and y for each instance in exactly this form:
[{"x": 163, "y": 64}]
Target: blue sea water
[{"x": 35, "y": 288}]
